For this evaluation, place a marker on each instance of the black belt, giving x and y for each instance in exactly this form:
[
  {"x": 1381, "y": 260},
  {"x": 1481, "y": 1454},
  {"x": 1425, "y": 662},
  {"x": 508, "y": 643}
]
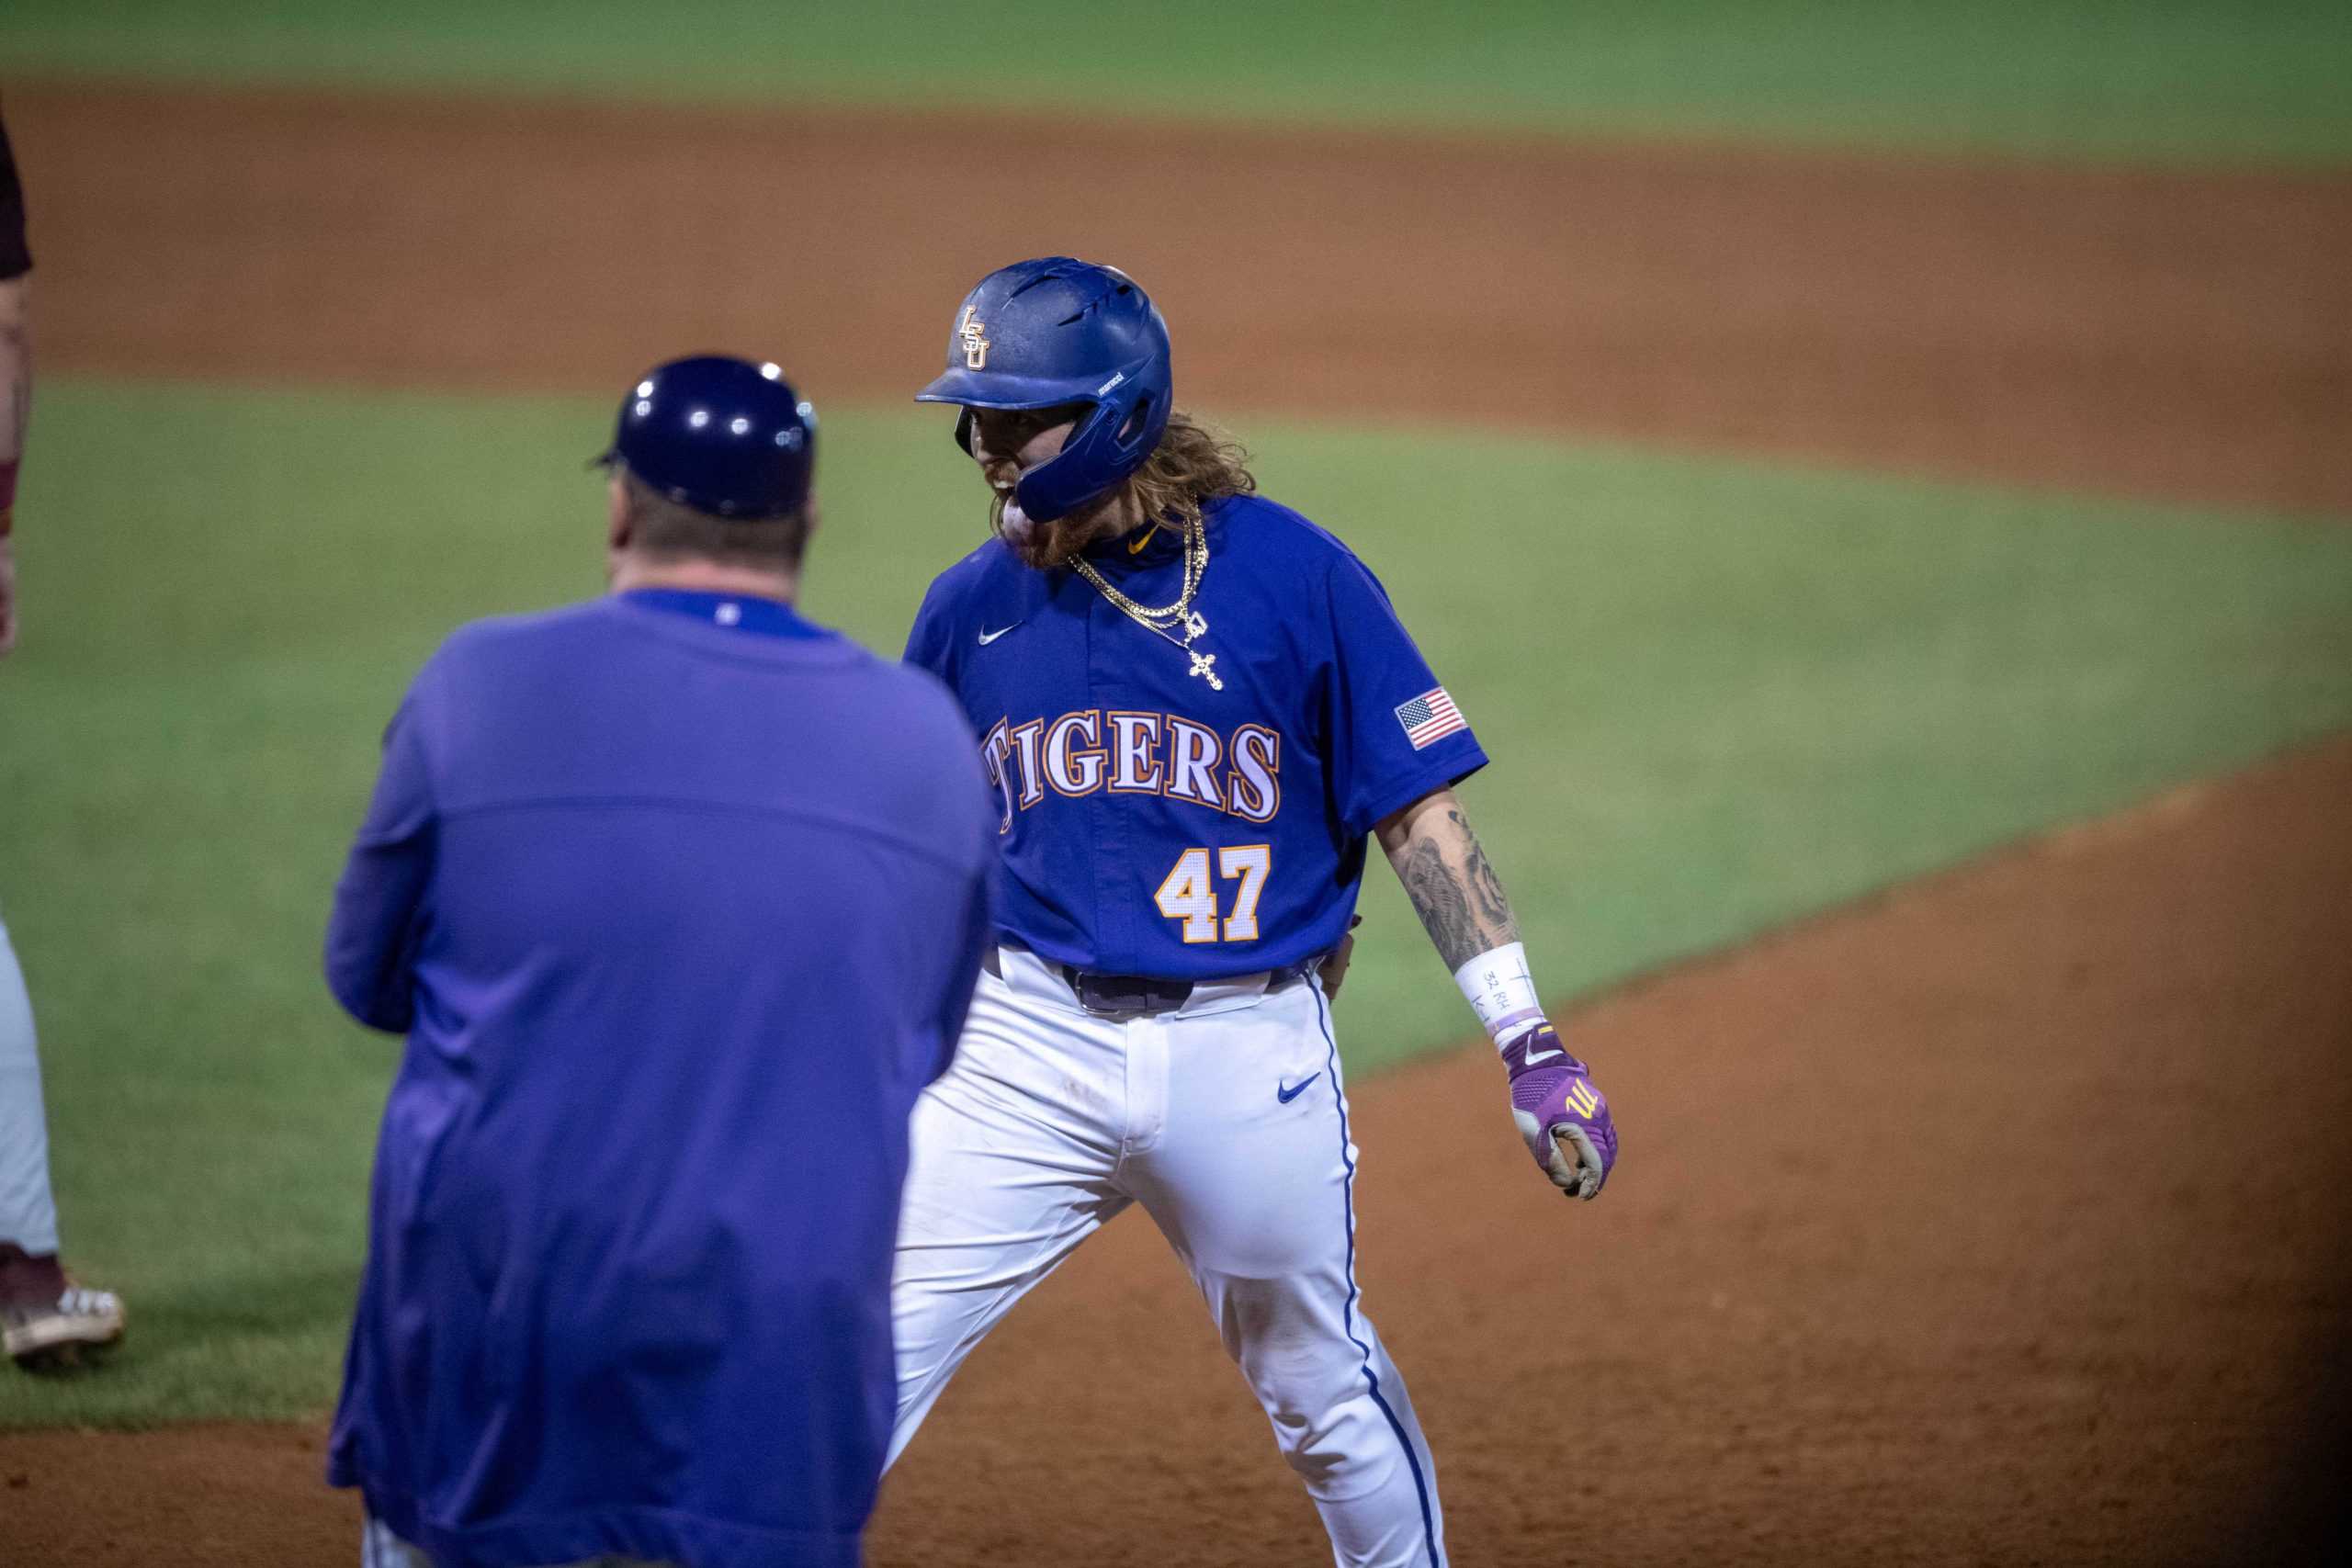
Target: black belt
[
  {"x": 1136, "y": 996},
  {"x": 1123, "y": 996}
]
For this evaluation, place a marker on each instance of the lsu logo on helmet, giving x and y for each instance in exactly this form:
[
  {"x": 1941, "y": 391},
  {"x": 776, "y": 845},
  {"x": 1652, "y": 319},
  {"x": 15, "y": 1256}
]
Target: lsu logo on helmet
[{"x": 976, "y": 347}]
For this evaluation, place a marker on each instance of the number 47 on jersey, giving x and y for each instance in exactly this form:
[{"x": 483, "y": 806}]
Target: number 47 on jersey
[{"x": 1190, "y": 894}]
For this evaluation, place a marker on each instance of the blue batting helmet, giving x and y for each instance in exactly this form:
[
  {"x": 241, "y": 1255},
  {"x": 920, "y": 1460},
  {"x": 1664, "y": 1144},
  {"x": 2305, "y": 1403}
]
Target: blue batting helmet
[
  {"x": 720, "y": 434},
  {"x": 1053, "y": 330}
]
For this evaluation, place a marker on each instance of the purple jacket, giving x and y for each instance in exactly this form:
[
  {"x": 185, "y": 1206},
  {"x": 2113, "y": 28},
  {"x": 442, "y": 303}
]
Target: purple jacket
[{"x": 680, "y": 902}]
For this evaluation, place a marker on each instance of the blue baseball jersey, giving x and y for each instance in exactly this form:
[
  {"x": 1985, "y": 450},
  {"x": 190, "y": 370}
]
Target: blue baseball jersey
[
  {"x": 1155, "y": 824},
  {"x": 680, "y": 901}
]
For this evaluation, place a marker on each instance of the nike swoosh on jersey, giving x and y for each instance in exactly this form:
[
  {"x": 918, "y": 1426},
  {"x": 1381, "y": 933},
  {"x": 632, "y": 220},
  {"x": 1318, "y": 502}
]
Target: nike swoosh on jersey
[
  {"x": 1149, "y": 534},
  {"x": 988, "y": 637},
  {"x": 1295, "y": 1091}
]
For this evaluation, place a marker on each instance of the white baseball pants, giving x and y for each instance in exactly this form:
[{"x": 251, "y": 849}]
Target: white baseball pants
[
  {"x": 27, "y": 1207},
  {"x": 1226, "y": 1120}
]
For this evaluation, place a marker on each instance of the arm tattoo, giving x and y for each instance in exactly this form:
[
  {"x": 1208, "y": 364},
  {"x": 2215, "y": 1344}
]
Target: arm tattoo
[
  {"x": 1485, "y": 888},
  {"x": 1460, "y": 900},
  {"x": 1437, "y": 894}
]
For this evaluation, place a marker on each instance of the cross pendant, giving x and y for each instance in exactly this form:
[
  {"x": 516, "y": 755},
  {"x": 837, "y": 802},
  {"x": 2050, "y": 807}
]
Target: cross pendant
[{"x": 1201, "y": 662}]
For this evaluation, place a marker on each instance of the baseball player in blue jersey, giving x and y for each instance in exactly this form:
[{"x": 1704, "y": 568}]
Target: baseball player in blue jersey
[
  {"x": 1197, "y": 708},
  {"x": 679, "y": 899}
]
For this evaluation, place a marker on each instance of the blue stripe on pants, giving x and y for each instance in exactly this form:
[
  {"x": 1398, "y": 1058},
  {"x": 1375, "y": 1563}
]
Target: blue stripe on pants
[{"x": 1370, "y": 1378}]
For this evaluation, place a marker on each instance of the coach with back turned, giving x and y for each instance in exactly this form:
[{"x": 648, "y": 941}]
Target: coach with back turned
[{"x": 679, "y": 898}]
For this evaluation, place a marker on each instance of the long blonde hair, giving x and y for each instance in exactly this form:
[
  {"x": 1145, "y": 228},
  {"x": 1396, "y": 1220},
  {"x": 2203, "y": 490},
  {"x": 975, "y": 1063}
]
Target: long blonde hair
[{"x": 1195, "y": 462}]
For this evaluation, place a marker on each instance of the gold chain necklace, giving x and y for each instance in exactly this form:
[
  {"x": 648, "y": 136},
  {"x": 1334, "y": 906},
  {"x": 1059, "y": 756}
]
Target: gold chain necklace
[
  {"x": 1196, "y": 558},
  {"x": 1163, "y": 620}
]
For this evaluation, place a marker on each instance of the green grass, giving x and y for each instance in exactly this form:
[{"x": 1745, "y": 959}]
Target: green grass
[
  {"x": 1719, "y": 695},
  {"x": 2176, "y": 80}
]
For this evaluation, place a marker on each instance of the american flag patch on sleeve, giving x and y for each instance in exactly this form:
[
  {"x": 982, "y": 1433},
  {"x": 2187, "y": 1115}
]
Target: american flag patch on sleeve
[{"x": 1430, "y": 717}]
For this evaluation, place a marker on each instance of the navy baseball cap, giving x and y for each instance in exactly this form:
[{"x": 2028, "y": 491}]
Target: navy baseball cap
[{"x": 720, "y": 434}]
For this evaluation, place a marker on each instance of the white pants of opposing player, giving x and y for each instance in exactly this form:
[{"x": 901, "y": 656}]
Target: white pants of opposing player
[
  {"x": 1053, "y": 1120},
  {"x": 27, "y": 1209}
]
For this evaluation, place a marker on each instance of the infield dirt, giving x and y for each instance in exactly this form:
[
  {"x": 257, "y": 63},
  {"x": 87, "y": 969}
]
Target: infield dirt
[{"x": 1999, "y": 1219}]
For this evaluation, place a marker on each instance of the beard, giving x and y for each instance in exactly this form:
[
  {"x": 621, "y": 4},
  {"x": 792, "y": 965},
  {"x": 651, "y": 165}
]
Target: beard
[{"x": 1045, "y": 545}]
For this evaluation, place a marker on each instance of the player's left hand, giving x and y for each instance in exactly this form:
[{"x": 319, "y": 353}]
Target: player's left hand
[
  {"x": 1561, "y": 1113},
  {"x": 1334, "y": 969}
]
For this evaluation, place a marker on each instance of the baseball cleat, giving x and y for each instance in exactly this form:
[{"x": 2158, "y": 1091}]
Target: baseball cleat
[{"x": 55, "y": 1332}]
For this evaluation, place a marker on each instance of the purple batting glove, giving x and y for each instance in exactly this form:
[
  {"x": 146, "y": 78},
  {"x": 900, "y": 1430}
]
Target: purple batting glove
[{"x": 1562, "y": 1115}]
